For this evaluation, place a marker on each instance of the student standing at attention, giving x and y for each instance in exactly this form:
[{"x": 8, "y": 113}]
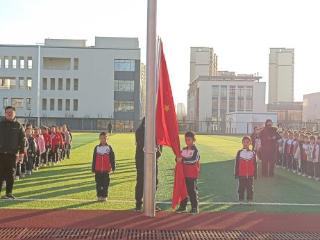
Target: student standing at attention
[
  {"x": 103, "y": 163},
  {"x": 246, "y": 170}
]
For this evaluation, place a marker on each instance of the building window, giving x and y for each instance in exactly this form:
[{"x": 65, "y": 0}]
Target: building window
[
  {"x": 75, "y": 84},
  {"x": 126, "y": 65},
  {"x": 44, "y": 104},
  {"x": 75, "y": 104},
  {"x": 232, "y": 98},
  {"x": 5, "y": 102},
  {"x": 17, "y": 102},
  {"x": 223, "y": 102},
  {"x": 60, "y": 83},
  {"x": 53, "y": 63},
  {"x": 21, "y": 62},
  {"x": 29, "y": 83},
  {"x": 76, "y": 64},
  {"x": 22, "y": 84},
  {"x": 6, "y": 62},
  {"x": 215, "y": 91},
  {"x": 67, "y": 104},
  {"x": 123, "y": 106},
  {"x": 28, "y": 103},
  {"x": 241, "y": 96},
  {"x": 44, "y": 84},
  {"x": 29, "y": 63},
  {"x": 4, "y": 83},
  {"x": 52, "y": 83},
  {"x": 59, "y": 104},
  {"x": 13, "y": 83},
  {"x": 51, "y": 104},
  {"x": 249, "y": 99},
  {"x": 14, "y": 62},
  {"x": 215, "y": 102},
  {"x": 68, "y": 84},
  {"x": 124, "y": 85}
]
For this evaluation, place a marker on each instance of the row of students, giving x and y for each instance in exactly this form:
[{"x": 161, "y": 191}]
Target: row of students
[
  {"x": 43, "y": 146},
  {"x": 299, "y": 152}
]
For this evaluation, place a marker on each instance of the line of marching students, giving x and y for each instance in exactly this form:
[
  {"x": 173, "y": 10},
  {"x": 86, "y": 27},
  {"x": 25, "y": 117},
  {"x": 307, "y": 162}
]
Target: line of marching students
[{"x": 43, "y": 147}]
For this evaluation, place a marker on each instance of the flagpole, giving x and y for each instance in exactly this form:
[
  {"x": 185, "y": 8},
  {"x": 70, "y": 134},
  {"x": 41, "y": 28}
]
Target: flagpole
[{"x": 150, "y": 145}]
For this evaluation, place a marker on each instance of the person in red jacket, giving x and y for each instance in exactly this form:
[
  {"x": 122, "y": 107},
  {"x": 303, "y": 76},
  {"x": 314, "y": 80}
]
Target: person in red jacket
[
  {"x": 103, "y": 162},
  {"x": 246, "y": 170},
  {"x": 191, "y": 169},
  {"x": 48, "y": 144},
  {"x": 61, "y": 144},
  {"x": 55, "y": 140}
]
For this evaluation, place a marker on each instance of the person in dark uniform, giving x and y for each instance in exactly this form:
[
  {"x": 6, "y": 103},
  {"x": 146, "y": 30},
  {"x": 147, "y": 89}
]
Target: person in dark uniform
[
  {"x": 269, "y": 139},
  {"x": 139, "y": 158},
  {"x": 12, "y": 141}
]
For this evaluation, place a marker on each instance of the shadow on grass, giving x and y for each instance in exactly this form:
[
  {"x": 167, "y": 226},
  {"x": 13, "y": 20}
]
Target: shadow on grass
[{"x": 217, "y": 184}]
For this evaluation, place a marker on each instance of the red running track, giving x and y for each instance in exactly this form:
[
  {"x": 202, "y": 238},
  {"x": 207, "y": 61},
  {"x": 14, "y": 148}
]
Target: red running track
[{"x": 246, "y": 221}]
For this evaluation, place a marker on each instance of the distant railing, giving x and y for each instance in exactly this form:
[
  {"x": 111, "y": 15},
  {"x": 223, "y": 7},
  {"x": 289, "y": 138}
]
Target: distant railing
[{"x": 200, "y": 127}]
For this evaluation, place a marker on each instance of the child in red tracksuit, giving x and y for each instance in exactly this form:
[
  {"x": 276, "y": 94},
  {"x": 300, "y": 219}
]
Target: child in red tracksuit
[
  {"x": 55, "y": 140},
  {"x": 246, "y": 170},
  {"x": 191, "y": 169},
  {"x": 103, "y": 163}
]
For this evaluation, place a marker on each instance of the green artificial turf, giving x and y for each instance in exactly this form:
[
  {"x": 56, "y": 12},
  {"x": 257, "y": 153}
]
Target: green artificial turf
[{"x": 72, "y": 185}]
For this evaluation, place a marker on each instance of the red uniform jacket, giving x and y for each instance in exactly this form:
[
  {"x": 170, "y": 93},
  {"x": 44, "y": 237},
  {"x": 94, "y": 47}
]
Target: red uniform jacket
[
  {"x": 246, "y": 164},
  {"x": 191, "y": 162},
  {"x": 47, "y": 140},
  {"x": 103, "y": 159}
]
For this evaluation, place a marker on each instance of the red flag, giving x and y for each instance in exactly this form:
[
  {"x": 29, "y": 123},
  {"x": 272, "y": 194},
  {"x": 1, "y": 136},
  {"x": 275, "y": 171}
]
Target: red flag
[{"x": 167, "y": 130}]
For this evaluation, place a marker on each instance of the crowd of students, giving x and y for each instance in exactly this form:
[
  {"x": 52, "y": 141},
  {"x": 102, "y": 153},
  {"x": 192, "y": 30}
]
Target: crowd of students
[
  {"x": 43, "y": 147},
  {"x": 298, "y": 151}
]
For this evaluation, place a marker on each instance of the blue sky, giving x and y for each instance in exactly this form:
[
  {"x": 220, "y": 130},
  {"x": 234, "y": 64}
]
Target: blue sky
[{"x": 241, "y": 32}]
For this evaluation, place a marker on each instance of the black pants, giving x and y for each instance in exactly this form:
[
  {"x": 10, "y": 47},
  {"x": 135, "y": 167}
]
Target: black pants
[
  {"x": 289, "y": 162},
  {"x": 303, "y": 167},
  {"x": 102, "y": 184},
  {"x": 140, "y": 181},
  {"x": 30, "y": 162},
  {"x": 67, "y": 150},
  {"x": 191, "y": 184},
  {"x": 310, "y": 169},
  {"x": 317, "y": 169},
  {"x": 7, "y": 171},
  {"x": 245, "y": 186}
]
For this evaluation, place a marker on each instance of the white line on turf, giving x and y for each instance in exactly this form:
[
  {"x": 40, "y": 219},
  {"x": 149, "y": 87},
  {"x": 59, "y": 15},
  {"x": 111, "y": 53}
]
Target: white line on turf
[{"x": 161, "y": 202}]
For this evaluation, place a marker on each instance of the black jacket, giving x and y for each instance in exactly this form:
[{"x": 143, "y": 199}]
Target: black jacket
[{"x": 12, "y": 137}]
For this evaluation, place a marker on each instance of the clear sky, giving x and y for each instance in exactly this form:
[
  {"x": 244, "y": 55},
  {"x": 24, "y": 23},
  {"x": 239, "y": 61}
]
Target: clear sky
[{"x": 240, "y": 31}]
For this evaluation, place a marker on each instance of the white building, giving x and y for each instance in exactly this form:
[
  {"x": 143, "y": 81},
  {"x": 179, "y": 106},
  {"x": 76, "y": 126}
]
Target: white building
[
  {"x": 203, "y": 62},
  {"x": 281, "y": 75},
  {"x": 211, "y": 98},
  {"x": 244, "y": 122},
  {"x": 67, "y": 81},
  {"x": 311, "y": 107}
]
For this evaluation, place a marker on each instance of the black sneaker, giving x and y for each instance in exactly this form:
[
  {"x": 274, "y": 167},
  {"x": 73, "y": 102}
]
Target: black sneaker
[
  {"x": 158, "y": 209},
  {"x": 9, "y": 196},
  {"x": 194, "y": 211},
  {"x": 181, "y": 210},
  {"x": 138, "y": 209}
]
